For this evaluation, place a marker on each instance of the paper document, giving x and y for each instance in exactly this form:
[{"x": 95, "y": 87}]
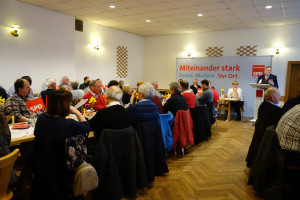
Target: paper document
[
  {"x": 80, "y": 103},
  {"x": 16, "y": 133}
]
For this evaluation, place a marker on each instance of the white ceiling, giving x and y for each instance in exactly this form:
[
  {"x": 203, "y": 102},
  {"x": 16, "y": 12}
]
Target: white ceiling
[{"x": 178, "y": 16}]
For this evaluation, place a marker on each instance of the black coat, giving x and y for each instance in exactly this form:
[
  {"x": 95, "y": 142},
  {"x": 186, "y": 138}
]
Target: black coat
[
  {"x": 150, "y": 136},
  {"x": 113, "y": 117},
  {"x": 266, "y": 173},
  {"x": 269, "y": 114},
  {"x": 50, "y": 170},
  {"x": 120, "y": 164},
  {"x": 256, "y": 139},
  {"x": 290, "y": 104}
]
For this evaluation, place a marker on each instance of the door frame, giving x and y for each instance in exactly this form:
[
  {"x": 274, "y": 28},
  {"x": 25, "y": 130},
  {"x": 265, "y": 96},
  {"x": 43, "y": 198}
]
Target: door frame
[{"x": 288, "y": 78}]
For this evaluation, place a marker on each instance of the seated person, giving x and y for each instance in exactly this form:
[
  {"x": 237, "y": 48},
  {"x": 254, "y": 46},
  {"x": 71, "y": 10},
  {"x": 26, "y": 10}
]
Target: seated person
[
  {"x": 114, "y": 116},
  {"x": 188, "y": 94},
  {"x": 236, "y": 93},
  {"x": 207, "y": 95},
  {"x": 176, "y": 101},
  {"x": 157, "y": 93},
  {"x": 288, "y": 134},
  {"x": 145, "y": 108},
  {"x": 12, "y": 90},
  {"x": 48, "y": 154},
  {"x": 76, "y": 93},
  {"x": 126, "y": 94},
  {"x": 65, "y": 81},
  {"x": 216, "y": 95},
  {"x": 95, "y": 91},
  {"x": 269, "y": 112},
  {"x": 3, "y": 94},
  {"x": 113, "y": 82},
  {"x": 16, "y": 104},
  {"x": 158, "y": 103},
  {"x": 85, "y": 84},
  {"x": 51, "y": 86},
  {"x": 195, "y": 86},
  {"x": 290, "y": 104},
  {"x": 121, "y": 84}
]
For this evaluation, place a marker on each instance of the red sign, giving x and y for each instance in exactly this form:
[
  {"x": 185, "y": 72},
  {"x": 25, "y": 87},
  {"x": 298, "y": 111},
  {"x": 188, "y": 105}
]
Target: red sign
[
  {"x": 258, "y": 70},
  {"x": 35, "y": 105},
  {"x": 259, "y": 93},
  {"x": 199, "y": 91}
]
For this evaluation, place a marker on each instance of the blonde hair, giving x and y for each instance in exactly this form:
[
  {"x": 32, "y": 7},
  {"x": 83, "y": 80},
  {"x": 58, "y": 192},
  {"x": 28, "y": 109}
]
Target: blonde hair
[
  {"x": 235, "y": 83},
  {"x": 139, "y": 83},
  {"x": 126, "y": 88}
]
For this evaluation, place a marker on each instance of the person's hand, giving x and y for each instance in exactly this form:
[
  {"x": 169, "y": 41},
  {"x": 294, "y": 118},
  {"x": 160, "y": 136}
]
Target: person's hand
[
  {"x": 195, "y": 86},
  {"x": 259, "y": 82},
  {"x": 271, "y": 82},
  {"x": 73, "y": 110},
  {"x": 133, "y": 93},
  {"x": 235, "y": 90}
]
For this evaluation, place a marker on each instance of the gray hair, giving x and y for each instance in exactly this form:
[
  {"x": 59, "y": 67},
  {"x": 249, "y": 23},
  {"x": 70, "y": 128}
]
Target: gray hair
[
  {"x": 175, "y": 86},
  {"x": 114, "y": 92},
  {"x": 147, "y": 90},
  {"x": 49, "y": 81},
  {"x": 62, "y": 79},
  {"x": 154, "y": 82},
  {"x": 64, "y": 87},
  {"x": 126, "y": 88},
  {"x": 74, "y": 85}
]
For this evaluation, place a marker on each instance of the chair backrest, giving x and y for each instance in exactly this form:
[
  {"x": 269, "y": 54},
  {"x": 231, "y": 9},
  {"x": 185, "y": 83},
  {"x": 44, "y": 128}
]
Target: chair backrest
[{"x": 6, "y": 165}]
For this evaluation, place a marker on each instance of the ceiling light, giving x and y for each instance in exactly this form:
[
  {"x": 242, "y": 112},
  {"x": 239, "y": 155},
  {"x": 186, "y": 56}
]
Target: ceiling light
[
  {"x": 112, "y": 6},
  {"x": 200, "y": 14},
  {"x": 148, "y": 20},
  {"x": 268, "y": 6}
]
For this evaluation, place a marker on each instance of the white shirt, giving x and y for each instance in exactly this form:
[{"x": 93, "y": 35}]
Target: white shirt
[
  {"x": 113, "y": 103},
  {"x": 239, "y": 91}
]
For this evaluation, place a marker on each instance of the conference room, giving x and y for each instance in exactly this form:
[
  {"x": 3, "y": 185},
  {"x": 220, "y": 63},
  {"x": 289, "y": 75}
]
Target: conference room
[{"x": 152, "y": 41}]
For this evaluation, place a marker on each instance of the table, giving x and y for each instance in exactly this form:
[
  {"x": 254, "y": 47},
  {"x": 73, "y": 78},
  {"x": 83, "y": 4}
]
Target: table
[
  {"x": 25, "y": 135},
  {"x": 229, "y": 100},
  {"x": 21, "y": 135}
]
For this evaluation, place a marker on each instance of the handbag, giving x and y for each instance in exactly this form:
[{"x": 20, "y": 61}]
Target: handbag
[{"x": 86, "y": 179}]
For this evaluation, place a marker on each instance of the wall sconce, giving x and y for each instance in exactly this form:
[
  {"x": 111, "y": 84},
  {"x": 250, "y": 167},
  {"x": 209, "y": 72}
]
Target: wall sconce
[
  {"x": 96, "y": 47},
  {"x": 277, "y": 48},
  {"x": 189, "y": 54},
  {"x": 15, "y": 29}
]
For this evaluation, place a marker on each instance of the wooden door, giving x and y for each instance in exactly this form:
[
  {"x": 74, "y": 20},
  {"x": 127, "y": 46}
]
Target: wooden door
[{"x": 292, "y": 86}]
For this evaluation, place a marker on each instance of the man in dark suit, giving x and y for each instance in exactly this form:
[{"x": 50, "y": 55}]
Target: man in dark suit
[
  {"x": 269, "y": 112},
  {"x": 268, "y": 78},
  {"x": 114, "y": 116}
]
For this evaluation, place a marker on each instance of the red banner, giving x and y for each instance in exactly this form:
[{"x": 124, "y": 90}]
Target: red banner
[
  {"x": 258, "y": 70},
  {"x": 35, "y": 105}
]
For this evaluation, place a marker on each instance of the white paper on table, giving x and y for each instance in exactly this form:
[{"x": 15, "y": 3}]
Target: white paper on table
[
  {"x": 80, "y": 103},
  {"x": 17, "y": 133}
]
